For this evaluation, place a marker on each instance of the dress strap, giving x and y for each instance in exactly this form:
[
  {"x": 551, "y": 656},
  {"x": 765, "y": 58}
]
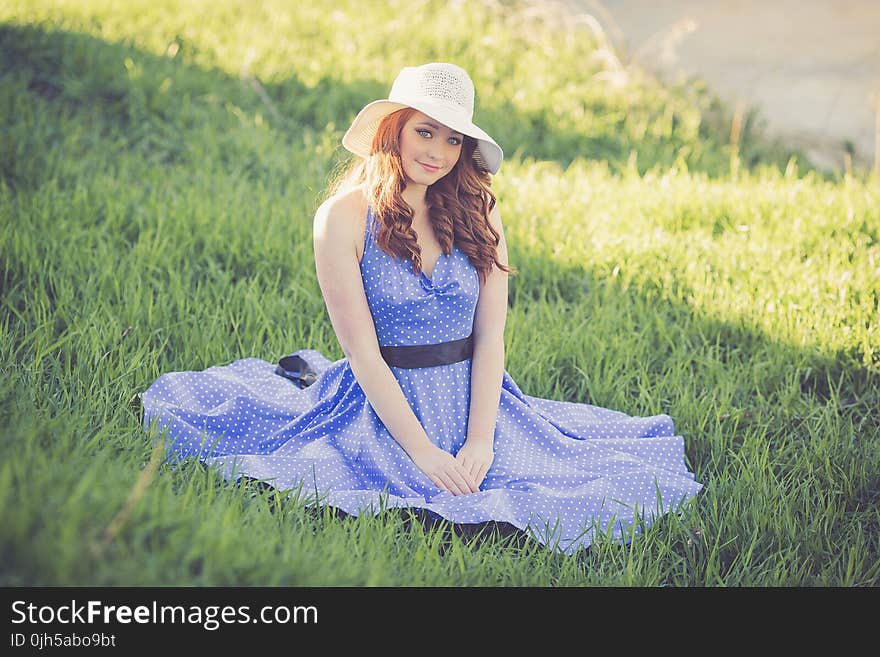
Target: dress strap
[
  {"x": 369, "y": 228},
  {"x": 368, "y": 222}
]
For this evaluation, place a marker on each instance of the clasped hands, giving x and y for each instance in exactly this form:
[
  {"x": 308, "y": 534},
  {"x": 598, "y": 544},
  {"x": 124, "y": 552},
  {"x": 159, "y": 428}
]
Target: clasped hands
[{"x": 459, "y": 474}]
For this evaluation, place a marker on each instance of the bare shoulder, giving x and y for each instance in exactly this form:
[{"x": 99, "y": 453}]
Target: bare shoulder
[
  {"x": 495, "y": 222},
  {"x": 495, "y": 218},
  {"x": 341, "y": 219}
]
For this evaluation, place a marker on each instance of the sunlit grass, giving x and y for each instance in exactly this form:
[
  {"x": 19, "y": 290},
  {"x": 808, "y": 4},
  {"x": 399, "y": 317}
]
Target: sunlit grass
[{"x": 148, "y": 226}]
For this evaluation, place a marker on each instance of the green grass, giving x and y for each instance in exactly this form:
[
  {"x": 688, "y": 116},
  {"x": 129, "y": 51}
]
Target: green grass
[{"x": 155, "y": 215}]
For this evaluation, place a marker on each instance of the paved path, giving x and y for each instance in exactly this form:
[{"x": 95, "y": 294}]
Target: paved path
[{"x": 810, "y": 67}]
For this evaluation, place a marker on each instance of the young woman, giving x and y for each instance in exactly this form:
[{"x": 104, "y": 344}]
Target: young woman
[{"x": 412, "y": 263}]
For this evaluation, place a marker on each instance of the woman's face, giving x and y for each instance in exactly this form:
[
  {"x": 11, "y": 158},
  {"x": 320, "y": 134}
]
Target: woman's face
[{"x": 428, "y": 149}]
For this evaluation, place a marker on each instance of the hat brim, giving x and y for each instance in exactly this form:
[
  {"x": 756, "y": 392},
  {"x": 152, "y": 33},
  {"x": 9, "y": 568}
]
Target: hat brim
[{"x": 359, "y": 137}]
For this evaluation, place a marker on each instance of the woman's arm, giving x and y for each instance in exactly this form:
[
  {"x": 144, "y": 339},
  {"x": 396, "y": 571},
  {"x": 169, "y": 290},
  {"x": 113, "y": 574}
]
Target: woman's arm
[
  {"x": 339, "y": 276},
  {"x": 487, "y": 367},
  {"x": 487, "y": 363}
]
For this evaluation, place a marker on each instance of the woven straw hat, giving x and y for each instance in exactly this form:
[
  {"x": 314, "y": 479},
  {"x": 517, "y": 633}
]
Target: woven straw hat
[{"x": 444, "y": 92}]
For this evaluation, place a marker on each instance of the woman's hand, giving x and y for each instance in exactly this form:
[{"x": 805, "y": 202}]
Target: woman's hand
[
  {"x": 444, "y": 470},
  {"x": 476, "y": 456}
]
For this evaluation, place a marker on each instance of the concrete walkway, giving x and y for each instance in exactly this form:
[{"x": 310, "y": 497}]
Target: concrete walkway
[{"x": 810, "y": 67}]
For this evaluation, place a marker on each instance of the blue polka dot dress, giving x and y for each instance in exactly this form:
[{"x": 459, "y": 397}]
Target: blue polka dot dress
[{"x": 562, "y": 470}]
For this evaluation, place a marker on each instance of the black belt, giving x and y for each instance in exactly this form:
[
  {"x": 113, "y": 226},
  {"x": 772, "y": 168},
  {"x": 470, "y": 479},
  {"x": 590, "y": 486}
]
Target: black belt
[
  {"x": 300, "y": 372},
  {"x": 429, "y": 355}
]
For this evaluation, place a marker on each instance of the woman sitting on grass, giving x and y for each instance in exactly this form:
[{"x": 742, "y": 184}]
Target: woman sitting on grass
[{"x": 420, "y": 413}]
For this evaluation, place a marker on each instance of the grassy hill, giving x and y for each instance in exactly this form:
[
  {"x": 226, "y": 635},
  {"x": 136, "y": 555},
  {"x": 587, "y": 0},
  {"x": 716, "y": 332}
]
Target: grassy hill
[{"x": 160, "y": 169}]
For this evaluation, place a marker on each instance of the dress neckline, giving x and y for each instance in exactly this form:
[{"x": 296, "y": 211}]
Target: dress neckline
[
  {"x": 440, "y": 259},
  {"x": 430, "y": 278}
]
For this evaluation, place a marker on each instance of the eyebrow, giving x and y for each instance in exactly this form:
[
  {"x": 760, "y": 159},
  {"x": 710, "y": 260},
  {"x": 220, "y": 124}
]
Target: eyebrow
[{"x": 435, "y": 126}]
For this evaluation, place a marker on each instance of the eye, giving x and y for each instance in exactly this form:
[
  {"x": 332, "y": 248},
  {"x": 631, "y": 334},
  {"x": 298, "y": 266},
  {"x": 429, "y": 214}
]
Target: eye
[
  {"x": 455, "y": 141},
  {"x": 423, "y": 132}
]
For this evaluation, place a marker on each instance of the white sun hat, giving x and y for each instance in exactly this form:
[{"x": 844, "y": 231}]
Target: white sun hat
[{"x": 445, "y": 92}]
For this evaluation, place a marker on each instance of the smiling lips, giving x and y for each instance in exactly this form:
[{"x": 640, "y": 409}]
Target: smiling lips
[{"x": 428, "y": 167}]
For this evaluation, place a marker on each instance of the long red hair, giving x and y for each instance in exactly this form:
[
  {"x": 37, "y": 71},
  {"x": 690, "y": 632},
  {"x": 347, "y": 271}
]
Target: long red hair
[{"x": 458, "y": 204}]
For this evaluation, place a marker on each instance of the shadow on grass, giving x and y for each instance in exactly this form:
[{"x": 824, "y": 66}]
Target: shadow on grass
[
  {"x": 500, "y": 534},
  {"x": 152, "y": 103}
]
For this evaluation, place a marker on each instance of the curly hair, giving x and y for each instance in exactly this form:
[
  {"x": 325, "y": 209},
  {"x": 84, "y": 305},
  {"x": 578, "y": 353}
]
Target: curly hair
[{"x": 458, "y": 204}]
